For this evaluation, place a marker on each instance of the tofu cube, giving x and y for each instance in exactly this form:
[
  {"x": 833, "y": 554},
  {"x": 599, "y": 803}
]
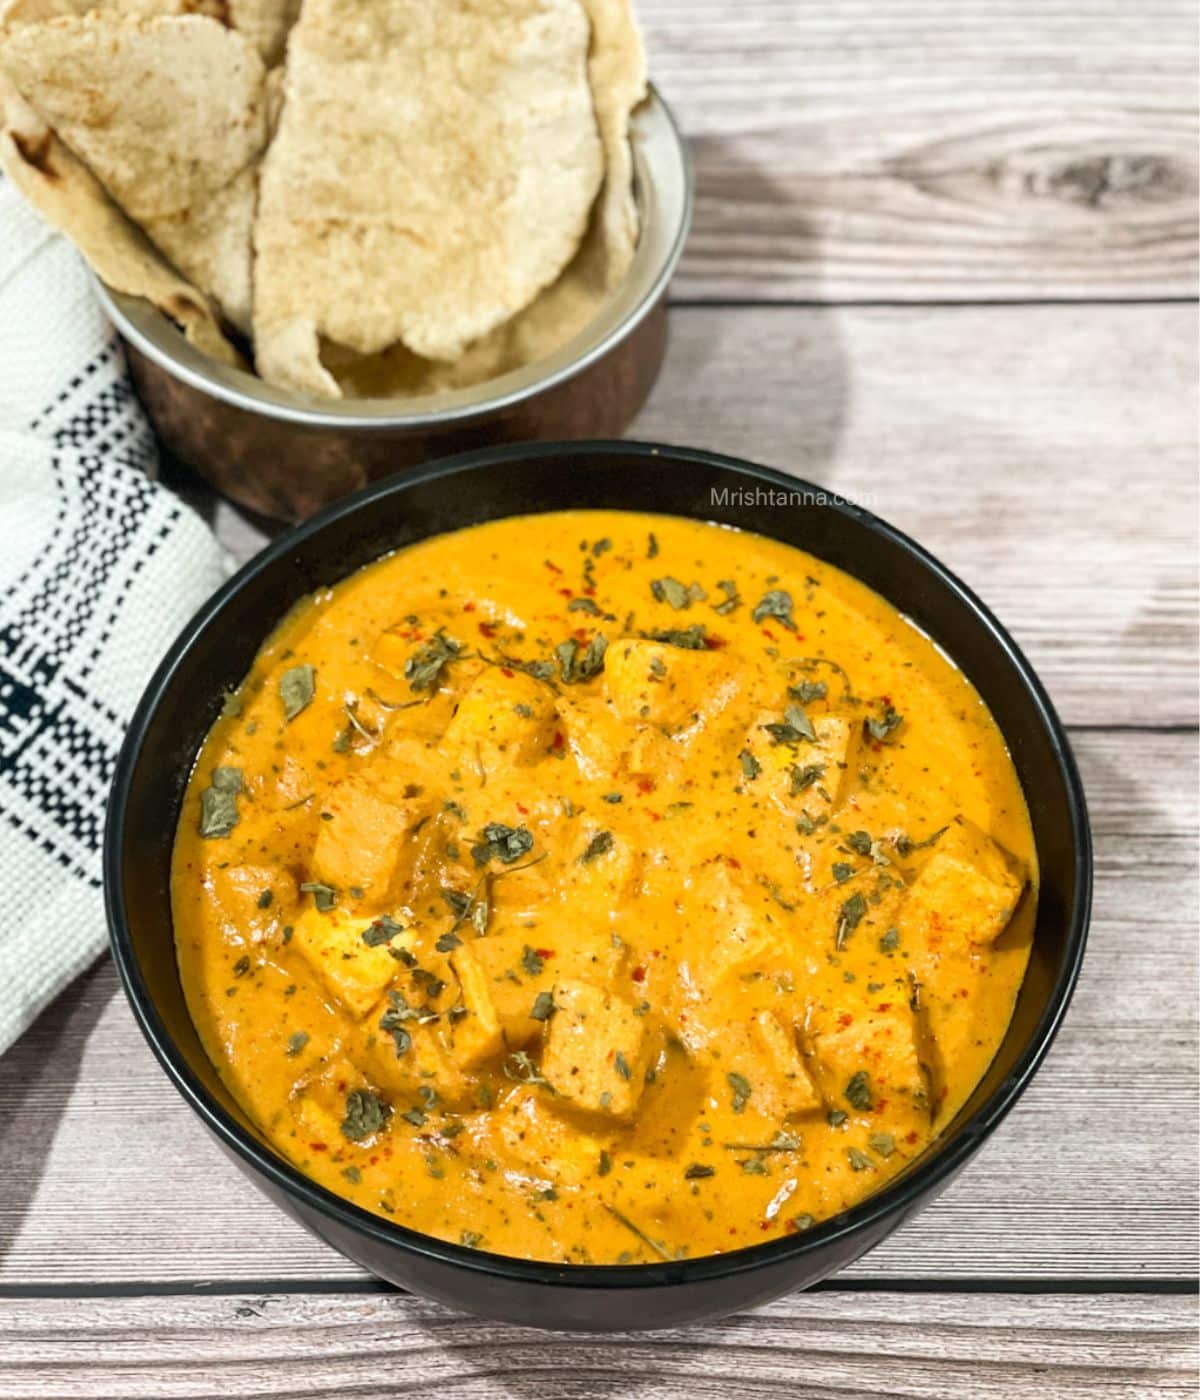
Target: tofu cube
[
  {"x": 365, "y": 842},
  {"x": 595, "y": 736},
  {"x": 595, "y": 1051},
  {"x": 425, "y": 1063},
  {"x": 354, "y": 972},
  {"x": 790, "y": 1088},
  {"x": 811, "y": 775},
  {"x": 238, "y": 892},
  {"x": 948, "y": 1023},
  {"x": 605, "y": 879},
  {"x": 504, "y": 715},
  {"x": 476, "y": 1036},
  {"x": 287, "y": 786},
  {"x": 676, "y": 688},
  {"x": 965, "y": 894},
  {"x": 534, "y": 1139},
  {"x": 519, "y": 963},
  {"x": 741, "y": 936},
  {"x": 881, "y": 1043},
  {"x": 320, "y": 1104}
]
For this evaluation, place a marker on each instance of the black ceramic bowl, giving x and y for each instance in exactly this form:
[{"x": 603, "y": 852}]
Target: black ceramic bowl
[{"x": 216, "y": 650}]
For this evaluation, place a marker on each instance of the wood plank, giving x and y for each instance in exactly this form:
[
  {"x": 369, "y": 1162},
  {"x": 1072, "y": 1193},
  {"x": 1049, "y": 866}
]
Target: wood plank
[
  {"x": 1047, "y": 454},
  {"x": 105, "y": 1176},
  {"x": 826, "y": 1344},
  {"x": 920, "y": 151}
]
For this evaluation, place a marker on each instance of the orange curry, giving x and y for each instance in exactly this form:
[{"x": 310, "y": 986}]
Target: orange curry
[{"x": 601, "y": 887}]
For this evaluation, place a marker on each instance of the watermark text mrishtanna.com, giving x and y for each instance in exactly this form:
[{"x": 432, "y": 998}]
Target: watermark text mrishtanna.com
[{"x": 780, "y": 497}]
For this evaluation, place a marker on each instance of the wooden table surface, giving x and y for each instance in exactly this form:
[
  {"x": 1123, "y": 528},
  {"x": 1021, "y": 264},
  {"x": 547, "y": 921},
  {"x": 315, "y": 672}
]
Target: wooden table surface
[{"x": 944, "y": 262}]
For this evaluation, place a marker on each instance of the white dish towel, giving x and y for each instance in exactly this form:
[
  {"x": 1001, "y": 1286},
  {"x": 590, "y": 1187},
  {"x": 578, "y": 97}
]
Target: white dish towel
[{"x": 99, "y": 570}]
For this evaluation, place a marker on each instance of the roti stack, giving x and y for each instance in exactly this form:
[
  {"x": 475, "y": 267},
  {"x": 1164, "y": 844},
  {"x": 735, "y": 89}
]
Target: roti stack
[{"x": 422, "y": 195}]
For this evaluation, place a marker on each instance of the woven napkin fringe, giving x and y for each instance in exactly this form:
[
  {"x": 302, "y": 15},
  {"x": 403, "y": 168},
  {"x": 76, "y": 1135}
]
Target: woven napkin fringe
[{"x": 99, "y": 569}]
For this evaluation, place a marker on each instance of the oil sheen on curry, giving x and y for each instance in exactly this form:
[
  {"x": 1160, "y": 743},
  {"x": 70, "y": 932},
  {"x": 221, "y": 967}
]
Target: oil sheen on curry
[{"x": 602, "y": 887}]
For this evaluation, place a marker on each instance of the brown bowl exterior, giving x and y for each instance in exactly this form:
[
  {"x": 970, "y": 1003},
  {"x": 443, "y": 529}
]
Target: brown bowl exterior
[
  {"x": 288, "y": 470},
  {"x": 286, "y": 456}
]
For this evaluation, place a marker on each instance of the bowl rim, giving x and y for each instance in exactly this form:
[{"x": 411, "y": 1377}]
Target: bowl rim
[
  {"x": 904, "y": 1193},
  {"x": 665, "y": 194}
]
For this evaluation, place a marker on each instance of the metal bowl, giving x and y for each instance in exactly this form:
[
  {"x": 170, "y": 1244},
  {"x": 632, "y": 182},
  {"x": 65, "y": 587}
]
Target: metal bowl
[
  {"x": 218, "y": 647},
  {"x": 286, "y": 455}
]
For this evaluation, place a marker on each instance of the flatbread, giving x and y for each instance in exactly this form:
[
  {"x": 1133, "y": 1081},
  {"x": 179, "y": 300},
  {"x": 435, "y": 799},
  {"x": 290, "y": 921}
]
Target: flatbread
[
  {"x": 70, "y": 198},
  {"x": 265, "y": 23},
  {"x": 617, "y": 74},
  {"x": 555, "y": 317},
  {"x": 169, "y": 114},
  {"x": 433, "y": 171}
]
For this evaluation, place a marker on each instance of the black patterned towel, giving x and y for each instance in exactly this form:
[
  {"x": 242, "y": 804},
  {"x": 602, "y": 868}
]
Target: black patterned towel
[{"x": 99, "y": 569}]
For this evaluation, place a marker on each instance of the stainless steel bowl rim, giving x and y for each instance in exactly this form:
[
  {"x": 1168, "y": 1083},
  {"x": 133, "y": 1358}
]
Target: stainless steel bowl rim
[{"x": 664, "y": 191}]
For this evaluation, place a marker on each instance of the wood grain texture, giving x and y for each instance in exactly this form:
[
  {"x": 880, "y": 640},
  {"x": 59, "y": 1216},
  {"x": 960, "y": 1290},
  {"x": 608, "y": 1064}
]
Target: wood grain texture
[
  {"x": 955, "y": 150},
  {"x": 1000, "y": 1347},
  {"x": 105, "y": 1175},
  {"x": 1046, "y": 454},
  {"x": 915, "y": 151}
]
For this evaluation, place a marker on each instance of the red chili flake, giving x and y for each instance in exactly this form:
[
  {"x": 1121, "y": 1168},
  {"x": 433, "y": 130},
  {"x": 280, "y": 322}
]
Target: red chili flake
[
  {"x": 645, "y": 785},
  {"x": 712, "y": 643},
  {"x": 589, "y": 592},
  {"x": 914, "y": 1136},
  {"x": 654, "y": 816},
  {"x": 567, "y": 592},
  {"x": 733, "y": 862},
  {"x": 770, "y": 636},
  {"x": 638, "y": 974},
  {"x": 507, "y": 671},
  {"x": 488, "y": 629},
  {"x": 319, "y": 1146},
  {"x": 884, "y": 1006},
  {"x": 524, "y": 811},
  {"x": 880, "y": 1105},
  {"x": 845, "y": 1019},
  {"x": 581, "y": 634},
  {"x": 764, "y": 1225},
  {"x": 544, "y": 953},
  {"x": 559, "y": 739}
]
